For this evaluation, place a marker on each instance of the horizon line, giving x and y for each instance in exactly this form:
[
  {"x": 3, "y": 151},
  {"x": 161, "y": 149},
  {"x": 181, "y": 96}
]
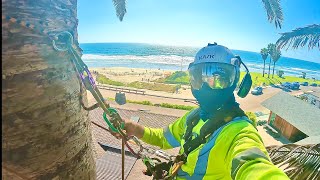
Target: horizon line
[{"x": 192, "y": 46}]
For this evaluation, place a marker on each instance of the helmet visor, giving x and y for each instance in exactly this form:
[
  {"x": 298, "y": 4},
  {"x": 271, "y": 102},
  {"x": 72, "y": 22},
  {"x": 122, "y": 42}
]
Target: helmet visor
[{"x": 216, "y": 75}]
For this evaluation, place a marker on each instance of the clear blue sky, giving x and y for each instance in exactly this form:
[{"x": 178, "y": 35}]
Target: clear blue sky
[{"x": 237, "y": 24}]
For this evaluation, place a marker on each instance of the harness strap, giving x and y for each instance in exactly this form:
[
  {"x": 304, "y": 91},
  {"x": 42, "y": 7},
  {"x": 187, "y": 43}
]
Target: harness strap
[{"x": 221, "y": 118}]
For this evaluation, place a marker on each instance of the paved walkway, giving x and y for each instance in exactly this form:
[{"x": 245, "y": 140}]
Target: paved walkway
[{"x": 250, "y": 103}]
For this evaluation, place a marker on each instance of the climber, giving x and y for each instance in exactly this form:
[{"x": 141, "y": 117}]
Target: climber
[{"x": 217, "y": 140}]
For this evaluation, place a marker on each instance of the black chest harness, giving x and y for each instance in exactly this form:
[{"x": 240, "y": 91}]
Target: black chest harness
[{"x": 162, "y": 170}]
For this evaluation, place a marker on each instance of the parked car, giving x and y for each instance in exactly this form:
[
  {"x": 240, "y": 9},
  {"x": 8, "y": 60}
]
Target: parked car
[
  {"x": 257, "y": 90},
  {"x": 286, "y": 85},
  {"x": 295, "y": 85},
  {"x": 314, "y": 84},
  {"x": 304, "y": 84}
]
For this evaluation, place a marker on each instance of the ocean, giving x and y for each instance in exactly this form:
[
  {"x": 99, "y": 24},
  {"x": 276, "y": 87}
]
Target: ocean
[{"x": 136, "y": 55}]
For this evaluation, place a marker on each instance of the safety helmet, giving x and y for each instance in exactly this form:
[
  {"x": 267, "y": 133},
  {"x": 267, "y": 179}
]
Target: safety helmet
[{"x": 215, "y": 65}]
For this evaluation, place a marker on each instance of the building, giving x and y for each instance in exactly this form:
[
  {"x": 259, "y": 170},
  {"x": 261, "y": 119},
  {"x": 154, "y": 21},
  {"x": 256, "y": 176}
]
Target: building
[
  {"x": 294, "y": 118},
  {"x": 312, "y": 98}
]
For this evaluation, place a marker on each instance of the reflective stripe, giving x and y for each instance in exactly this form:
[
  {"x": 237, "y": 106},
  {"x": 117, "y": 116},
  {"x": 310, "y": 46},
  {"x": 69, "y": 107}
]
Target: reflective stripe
[
  {"x": 245, "y": 156},
  {"x": 170, "y": 138},
  {"x": 203, "y": 157}
]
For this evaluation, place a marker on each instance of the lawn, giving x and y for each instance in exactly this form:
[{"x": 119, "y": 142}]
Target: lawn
[
  {"x": 257, "y": 79},
  {"x": 178, "y": 78}
]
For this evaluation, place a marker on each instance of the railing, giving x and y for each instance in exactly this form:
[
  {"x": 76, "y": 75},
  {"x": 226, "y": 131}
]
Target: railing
[{"x": 121, "y": 89}]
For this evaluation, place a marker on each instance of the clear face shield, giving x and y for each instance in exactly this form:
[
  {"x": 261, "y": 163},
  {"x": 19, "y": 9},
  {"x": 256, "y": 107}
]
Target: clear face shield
[{"x": 216, "y": 75}]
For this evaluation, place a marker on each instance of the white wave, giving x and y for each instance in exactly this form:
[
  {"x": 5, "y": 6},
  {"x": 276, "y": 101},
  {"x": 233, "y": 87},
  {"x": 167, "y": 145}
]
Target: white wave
[
  {"x": 175, "y": 60},
  {"x": 159, "y": 59}
]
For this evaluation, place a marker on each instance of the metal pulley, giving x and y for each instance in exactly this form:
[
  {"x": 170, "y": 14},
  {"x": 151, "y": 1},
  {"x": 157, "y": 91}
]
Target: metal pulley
[{"x": 120, "y": 98}]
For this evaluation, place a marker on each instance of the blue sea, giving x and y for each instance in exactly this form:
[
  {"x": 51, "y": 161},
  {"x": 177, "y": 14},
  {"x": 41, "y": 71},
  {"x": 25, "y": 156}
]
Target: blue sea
[{"x": 136, "y": 55}]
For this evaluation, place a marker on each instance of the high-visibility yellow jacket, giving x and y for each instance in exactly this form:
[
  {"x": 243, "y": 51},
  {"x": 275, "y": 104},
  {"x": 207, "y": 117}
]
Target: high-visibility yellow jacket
[{"x": 234, "y": 151}]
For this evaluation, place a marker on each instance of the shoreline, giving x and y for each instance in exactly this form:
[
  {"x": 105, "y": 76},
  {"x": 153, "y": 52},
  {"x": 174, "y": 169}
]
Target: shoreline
[{"x": 128, "y": 75}]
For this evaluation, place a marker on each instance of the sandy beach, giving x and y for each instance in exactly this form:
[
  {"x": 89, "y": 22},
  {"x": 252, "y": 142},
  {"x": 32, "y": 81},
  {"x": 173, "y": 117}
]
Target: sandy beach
[{"x": 128, "y": 75}]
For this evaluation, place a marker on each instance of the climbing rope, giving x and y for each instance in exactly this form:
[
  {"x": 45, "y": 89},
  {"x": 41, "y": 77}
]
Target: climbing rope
[
  {"x": 116, "y": 124},
  {"x": 63, "y": 42}
]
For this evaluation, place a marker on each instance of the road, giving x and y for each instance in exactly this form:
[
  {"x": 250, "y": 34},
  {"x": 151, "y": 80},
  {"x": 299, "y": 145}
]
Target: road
[{"x": 250, "y": 103}]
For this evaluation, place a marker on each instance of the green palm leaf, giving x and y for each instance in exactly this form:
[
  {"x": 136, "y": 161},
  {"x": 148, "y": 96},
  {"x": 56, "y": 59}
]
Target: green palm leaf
[
  {"x": 300, "y": 37},
  {"x": 275, "y": 55},
  {"x": 264, "y": 53},
  {"x": 120, "y": 6},
  {"x": 274, "y": 11}
]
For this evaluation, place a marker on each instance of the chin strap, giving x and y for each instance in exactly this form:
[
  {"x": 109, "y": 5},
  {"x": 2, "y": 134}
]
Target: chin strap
[{"x": 231, "y": 103}]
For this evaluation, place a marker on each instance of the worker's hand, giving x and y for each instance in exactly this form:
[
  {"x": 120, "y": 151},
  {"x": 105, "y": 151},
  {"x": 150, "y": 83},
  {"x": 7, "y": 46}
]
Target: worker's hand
[{"x": 131, "y": 128}]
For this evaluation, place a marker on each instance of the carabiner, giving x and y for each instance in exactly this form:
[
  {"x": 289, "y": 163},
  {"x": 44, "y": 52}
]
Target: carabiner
[
  {"x": 113, "y": 128},
  {"x": 64, "y": 46}
]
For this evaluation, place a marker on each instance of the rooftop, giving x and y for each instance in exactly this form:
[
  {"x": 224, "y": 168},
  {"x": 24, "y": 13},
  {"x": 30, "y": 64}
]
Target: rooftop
[
  {"x": 300, "y": 114},
  {"x": 108, "y": 160},
  {"x": 315, "y": 93},
  {"x": 309, "y": 140}
]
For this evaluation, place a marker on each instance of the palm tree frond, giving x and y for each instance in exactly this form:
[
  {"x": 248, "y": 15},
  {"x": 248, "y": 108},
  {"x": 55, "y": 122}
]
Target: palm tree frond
[
  {"x": 300, "y": 37},
  {"x": 275, "y": 55},
  {"x": 274, "y": 11},
  {"x": 120, "y": 6},
  {"x": 297, "y": 161},
  {"x": 264, "y": 53}
]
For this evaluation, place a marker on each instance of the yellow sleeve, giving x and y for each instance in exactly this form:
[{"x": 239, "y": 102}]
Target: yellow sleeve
[
  {"x": 247, "y": 158},
  {"x": 166, "y": 138}
]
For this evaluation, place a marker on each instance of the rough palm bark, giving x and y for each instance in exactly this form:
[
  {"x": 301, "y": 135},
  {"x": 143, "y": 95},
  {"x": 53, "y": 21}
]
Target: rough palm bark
[{"x": 45, "y": 132}]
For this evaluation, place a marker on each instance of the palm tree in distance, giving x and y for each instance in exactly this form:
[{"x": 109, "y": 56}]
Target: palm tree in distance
[
  {"x": 275, "y": 56},
  {"x": 271, "y": 48},
  {"x": 264, "y": 55}
]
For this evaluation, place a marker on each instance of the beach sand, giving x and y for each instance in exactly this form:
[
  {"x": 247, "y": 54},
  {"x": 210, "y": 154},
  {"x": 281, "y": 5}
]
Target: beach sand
[{"x": 128, "y": 75}]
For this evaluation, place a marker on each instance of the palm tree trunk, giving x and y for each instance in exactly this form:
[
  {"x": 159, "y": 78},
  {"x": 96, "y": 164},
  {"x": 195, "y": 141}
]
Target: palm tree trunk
[
  {"x": 274, "y": 64},
  {"x": 46, "y": 133},
  {"x": 269, "y": 67},
  {"x": 264, "y": 66}
]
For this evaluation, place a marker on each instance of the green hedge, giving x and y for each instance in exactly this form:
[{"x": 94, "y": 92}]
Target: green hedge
[
  {"x": 140, "y": 102},
  {"x": 176, "y": 106}
]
